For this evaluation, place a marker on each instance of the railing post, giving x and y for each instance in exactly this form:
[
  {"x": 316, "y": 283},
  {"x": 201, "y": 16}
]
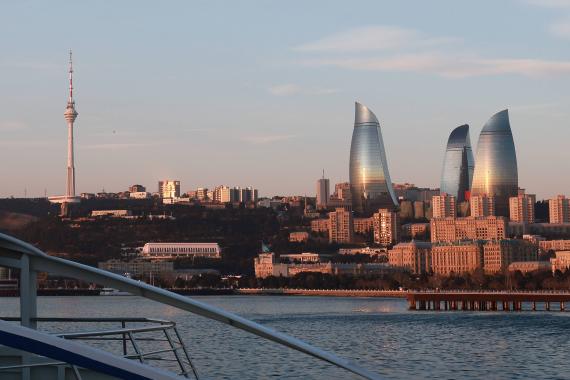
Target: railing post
[
  {"x": 124, "y": 325},
  {"x": 28, "y": 293}
]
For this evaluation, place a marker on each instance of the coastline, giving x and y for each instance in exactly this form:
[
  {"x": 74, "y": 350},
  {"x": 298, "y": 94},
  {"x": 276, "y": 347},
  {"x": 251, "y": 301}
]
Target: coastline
[{"x": 237, "y": 291}]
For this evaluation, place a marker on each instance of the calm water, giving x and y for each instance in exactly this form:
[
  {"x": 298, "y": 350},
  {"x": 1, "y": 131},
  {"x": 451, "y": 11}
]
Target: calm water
[{"x": 378, "y": 333}]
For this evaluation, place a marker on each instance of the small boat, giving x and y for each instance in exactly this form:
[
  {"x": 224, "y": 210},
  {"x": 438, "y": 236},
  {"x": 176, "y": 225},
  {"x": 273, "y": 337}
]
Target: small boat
[{"x": 113, "y": 292}]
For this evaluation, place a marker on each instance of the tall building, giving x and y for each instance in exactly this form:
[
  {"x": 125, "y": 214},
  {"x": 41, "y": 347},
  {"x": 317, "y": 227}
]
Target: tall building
[
  {"x": 222, "y": 194},
  {"x": 323, "y": 192},
  {"x": 443, "y": 206},
  {"x": 470, "y": 228},
  {"x": 559, "y": 209},
  {"x": 458, "y": 164},
  {"x": 386, "y": 226},
  {"x": 202, "y": 193},
  {"x": 341, "y": 226},
  {"x": 370, "y": 182},
  {"x": 248, "y": 194},
  {"x": 482, "y": 205},
  {"x": 70, "y": 115},
  {"x": 169, "y": 189},
  {"x": 342, "y": 191},
  {"x": 137, "y": 189},
  {"x": 521, "y": 208},
  {"x": 496, "y": 169}
]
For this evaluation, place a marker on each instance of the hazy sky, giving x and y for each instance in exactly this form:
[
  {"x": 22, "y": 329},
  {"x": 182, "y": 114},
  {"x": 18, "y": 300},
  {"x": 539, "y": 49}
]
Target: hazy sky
[{"x": 262, "y": 93}]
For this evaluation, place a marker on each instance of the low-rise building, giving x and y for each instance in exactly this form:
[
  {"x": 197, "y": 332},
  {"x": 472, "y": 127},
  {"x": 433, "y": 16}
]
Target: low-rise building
[
  {"x": 530, "y": 266},
  {"x": 548, "y": 230},
  {"x": 171, "y": 251},
  {"x": 498, "y": 255},
  {"x": 305, "y": 257},
  {"x": 415, "y": 230},
  {"x": 554, "y": 245},
  {"x": 414, "y": 256},
  {"x": 267, "y": 264},
  {"x": 457, "y": 257},
  {"x": 363, "y": 251},
  {"x": 320, "y": 225},
  {"x": 140, "y": 195},
  {"x": 469, "y": 228},
  {"x": 298, "y": 236},
  {"x": 533, "y": 239},
  {"x": 363, "y": 226},
  {"x": 561, "y": 261},
  {"x": 137, "y": 267},
  {"x": 111, "y": 213}
]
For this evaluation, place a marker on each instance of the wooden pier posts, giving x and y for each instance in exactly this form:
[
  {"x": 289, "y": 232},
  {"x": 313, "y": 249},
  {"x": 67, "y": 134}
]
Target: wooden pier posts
[{"x": 486, "y": 301}]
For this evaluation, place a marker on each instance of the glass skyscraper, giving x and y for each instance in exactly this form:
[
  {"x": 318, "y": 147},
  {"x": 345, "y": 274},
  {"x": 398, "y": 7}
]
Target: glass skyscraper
[
  {"x": 458, "y": 164},
  {"x": 370, "y": 182},
  {"x": 496, "y": 171}
]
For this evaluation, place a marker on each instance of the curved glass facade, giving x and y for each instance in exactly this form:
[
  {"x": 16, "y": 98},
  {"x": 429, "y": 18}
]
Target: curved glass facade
[
  {"x": 496, "y": 171},
  {"x": 458, "y": 164},
  {"x": 370, "y": 182}
]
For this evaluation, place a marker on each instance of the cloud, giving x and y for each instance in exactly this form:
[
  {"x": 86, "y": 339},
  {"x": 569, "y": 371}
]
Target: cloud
[
  {"x": 410, "y": 51},
  {"x": 12, "y": 125},
  {"x": 284, "y": 89},
  {"x": 29, "y": 65},
  {"x": 289, "y": 89},
  {"x": 450, "y": 66},
  {"x": 267, "y": 139},
  {"x": 117, "y": 146},
  {"x": 372, "y": 38},
  {"x": 549, "y": 3},
  {"x": 21, "y": 144},
  {"x": 560, "y": 29}
]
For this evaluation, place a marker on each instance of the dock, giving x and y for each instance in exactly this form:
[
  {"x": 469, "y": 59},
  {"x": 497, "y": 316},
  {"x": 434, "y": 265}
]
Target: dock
[{"x": 488, "y": 300}]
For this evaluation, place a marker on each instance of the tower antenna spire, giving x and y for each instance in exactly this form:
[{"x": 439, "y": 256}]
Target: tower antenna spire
[{"x": 70, "y": 76}]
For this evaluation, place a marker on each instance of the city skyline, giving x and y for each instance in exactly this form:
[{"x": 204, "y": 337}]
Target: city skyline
[{"x": 288, "y": 91}]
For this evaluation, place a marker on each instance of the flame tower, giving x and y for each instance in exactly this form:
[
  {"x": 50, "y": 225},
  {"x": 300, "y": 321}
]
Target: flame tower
[
  {"x": 370, "y": 182},
  {"x": 496, "y": 172},
  {"x": 70, "y": 115}
]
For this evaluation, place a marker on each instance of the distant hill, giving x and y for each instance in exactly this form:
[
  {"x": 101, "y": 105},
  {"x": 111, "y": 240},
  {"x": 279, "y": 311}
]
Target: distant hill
[{"x": 14, "y": 221}]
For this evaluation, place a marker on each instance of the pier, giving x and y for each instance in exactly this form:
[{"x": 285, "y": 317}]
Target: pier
[{"x": 488, "y": 300}]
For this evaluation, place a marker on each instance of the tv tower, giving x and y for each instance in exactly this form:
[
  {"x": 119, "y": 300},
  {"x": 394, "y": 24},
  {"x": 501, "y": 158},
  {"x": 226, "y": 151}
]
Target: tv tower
[{"x": 70, "y": 115}]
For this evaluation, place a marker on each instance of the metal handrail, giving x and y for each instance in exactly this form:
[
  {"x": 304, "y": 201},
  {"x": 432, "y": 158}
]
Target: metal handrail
[
  {"x": 125, "y": 334},
  {"x": 30, "y": 260}
]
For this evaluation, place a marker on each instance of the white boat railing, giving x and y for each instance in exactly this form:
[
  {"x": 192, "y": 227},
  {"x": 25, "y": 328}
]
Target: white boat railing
[{"x": 30, "y": 260}]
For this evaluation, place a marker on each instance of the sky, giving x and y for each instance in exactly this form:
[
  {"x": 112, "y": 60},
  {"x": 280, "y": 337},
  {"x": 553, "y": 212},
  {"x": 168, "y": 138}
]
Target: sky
[{"x": 261, "y": 93}]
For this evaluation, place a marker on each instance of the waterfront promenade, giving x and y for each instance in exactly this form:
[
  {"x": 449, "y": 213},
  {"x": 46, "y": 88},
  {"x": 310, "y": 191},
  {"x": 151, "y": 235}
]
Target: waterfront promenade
[
  {"x": 488, "y": 300},
  {"x": 325, "y": 292}
]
